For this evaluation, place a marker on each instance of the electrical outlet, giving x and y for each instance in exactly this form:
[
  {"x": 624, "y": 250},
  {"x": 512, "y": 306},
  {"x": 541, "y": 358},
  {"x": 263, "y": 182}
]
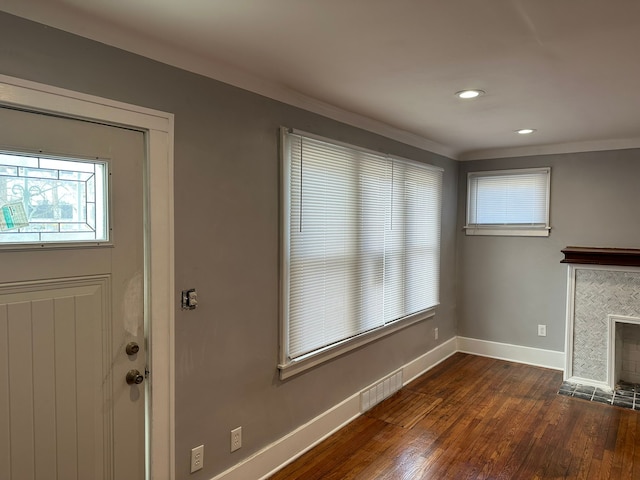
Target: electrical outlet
[
  {"x": 435, "y": 333},
  {"x": 542, "y": 330},
  {"x": 197, "y": 458},
  {"x": 236, "y": 439}
]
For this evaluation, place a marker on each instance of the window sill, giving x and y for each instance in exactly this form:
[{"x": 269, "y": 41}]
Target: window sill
[
  {"x": 294, "y": 367},
  {"x": 508, "y": 231}
]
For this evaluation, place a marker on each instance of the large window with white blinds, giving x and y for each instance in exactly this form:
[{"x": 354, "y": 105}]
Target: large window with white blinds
[
  {"x": 360, "y": 246},
  {"x": 508, "y": 202}
]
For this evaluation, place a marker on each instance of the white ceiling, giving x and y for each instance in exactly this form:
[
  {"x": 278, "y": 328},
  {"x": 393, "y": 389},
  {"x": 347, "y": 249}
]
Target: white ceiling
[{"x": 568, "y": 68}]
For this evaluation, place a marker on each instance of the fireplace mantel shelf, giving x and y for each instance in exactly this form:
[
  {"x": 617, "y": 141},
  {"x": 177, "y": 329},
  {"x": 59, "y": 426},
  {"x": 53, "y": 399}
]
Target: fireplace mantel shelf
[{"x": 624, "y": 257}]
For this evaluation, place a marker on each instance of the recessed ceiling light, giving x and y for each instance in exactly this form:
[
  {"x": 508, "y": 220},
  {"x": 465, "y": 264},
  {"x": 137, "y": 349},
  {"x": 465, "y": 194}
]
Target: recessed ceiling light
[
  {"x": 467, "y": 94},
  {"x": 525, "y": 131}
]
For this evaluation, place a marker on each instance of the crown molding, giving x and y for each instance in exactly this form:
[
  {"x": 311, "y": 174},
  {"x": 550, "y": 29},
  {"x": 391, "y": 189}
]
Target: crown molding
[
  {"x": 555, "y": 149},
  {"x": 114, "y": 35},
  {"x": 75, "y": 22}
]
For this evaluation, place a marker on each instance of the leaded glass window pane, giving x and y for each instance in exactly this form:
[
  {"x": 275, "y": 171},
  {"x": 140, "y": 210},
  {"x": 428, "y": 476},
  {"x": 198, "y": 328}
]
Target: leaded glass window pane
[{"x": 45, "y": 200}]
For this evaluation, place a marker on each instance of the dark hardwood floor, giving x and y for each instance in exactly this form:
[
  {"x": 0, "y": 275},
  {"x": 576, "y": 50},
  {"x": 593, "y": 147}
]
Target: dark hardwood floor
[{"x": 477, "y": 418}]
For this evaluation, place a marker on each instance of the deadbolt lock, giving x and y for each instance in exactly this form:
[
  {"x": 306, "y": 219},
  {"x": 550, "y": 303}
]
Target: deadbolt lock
[
  {"x": 134, "y": 377},
  {"x": 132, "y": 348}
]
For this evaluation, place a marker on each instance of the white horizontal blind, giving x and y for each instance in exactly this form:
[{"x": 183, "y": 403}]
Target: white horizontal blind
[
  {"x": 412, "y": 245},
  {"x": 363, "y": 241},
  {"x": 515, "y": 198}
]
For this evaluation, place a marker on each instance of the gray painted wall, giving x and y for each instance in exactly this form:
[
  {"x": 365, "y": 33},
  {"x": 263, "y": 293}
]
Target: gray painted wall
[
  {"x": 509, "y": 285},
  {"x": 226, "y": 224}
]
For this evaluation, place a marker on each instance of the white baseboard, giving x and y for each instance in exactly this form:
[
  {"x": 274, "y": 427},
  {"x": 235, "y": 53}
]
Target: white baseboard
[
  {"x": 427, "y": 361},
  {"x": 273, "y": 457},
  {"x": 514, "y": 353}
]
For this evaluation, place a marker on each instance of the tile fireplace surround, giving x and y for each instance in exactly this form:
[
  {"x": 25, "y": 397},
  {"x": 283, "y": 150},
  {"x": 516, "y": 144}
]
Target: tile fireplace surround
[{"x": 603, "y": 290}]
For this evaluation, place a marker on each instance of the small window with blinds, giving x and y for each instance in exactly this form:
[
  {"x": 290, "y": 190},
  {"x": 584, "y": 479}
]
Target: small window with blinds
[
  {"x": 360, "y": 247},
  {"x": 508, "y": 202}
]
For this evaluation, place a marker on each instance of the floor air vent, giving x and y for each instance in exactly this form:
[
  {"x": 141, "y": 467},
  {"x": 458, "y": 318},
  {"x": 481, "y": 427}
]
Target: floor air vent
[{"x": 376, "y": 393}]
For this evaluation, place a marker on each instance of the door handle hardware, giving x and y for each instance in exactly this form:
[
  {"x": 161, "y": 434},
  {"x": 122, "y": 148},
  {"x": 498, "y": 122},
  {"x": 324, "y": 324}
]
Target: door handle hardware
[
  {"x": 132, "y": 348},
  {"x": 134, "y": 377}
]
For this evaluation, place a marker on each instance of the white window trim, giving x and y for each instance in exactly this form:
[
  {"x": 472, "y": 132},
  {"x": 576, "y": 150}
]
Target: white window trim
[
  {"x": 159, "y": 128},
  {"x": 289, "y": 367},
  {"x": 509, "y": 230}
]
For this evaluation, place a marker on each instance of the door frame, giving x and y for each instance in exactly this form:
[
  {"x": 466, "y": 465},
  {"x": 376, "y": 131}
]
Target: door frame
[{"x": 159, "y": 240}]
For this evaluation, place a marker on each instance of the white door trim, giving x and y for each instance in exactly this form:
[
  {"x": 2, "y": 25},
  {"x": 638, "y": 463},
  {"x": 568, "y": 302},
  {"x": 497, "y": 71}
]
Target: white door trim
[{"x": 160, "y": 257}]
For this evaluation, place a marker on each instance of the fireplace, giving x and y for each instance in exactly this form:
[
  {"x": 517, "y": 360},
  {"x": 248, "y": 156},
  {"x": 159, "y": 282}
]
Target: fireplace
[
  {"x": 603, "y": 316},
  {"x": 624, "y": 350}
]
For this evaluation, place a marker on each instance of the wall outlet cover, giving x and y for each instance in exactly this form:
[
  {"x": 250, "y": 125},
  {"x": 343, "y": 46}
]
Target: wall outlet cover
[
  {"x": 236, "y": 439},
  {"x": 197, "y": 458}
]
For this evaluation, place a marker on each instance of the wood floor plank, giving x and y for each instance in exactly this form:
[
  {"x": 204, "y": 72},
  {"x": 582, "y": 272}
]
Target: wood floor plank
[
  {"x": 404, "y": 409},
  {"x": 636, "y": 450},
  {"x": 478, "y": 418}
]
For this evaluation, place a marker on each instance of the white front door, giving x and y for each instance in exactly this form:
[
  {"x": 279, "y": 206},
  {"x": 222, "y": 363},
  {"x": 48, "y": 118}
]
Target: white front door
[{"x": 69, "y": 311}]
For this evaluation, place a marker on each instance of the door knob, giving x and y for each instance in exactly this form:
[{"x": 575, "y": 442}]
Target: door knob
[
  {"x": 132, "y": 348},
  {"x": 134, "y": 377}
]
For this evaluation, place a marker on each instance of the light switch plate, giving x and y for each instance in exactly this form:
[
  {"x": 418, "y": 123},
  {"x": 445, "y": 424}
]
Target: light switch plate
[{"x": 189, "y": 300}]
